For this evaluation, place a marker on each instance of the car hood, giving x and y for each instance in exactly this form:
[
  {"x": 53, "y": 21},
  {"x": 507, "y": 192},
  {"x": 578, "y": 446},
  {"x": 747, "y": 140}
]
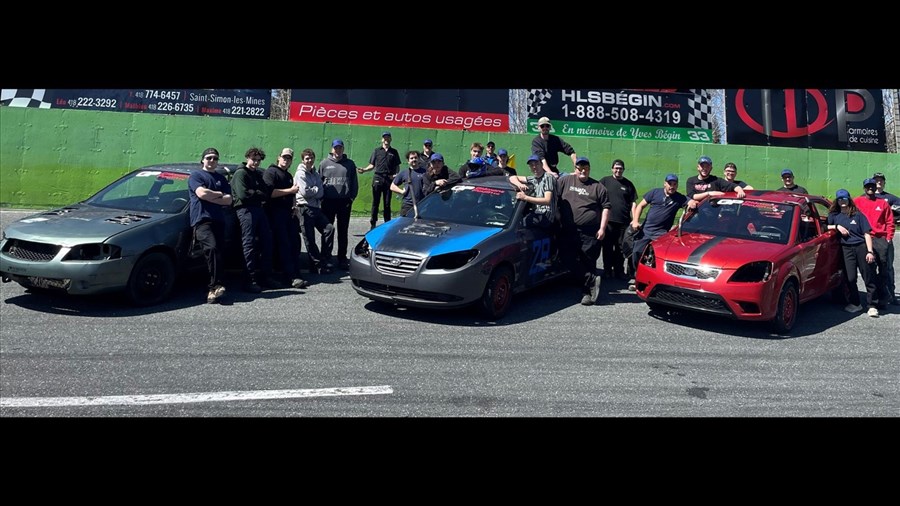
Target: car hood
[
  {"x": 715, "y": 251},
  {"x": 78, "y": 224},
  {"x": 426, "y": 237}
]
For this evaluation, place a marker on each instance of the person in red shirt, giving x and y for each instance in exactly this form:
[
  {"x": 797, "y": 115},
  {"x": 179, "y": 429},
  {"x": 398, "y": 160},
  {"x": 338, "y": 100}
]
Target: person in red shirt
[{"x": 880, "y": 217}]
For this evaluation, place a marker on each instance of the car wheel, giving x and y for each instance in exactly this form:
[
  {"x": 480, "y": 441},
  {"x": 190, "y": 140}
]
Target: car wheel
[
  {"x": 497, "y": 297},
  {"x": 152, "y": 279},
  {"x": 788, "y": 308}
]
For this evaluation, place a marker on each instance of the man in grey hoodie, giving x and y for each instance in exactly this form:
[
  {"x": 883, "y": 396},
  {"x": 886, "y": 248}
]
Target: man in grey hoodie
[
  {"x": 309, "y": 211},
  {"x": 341, "y": 187}
]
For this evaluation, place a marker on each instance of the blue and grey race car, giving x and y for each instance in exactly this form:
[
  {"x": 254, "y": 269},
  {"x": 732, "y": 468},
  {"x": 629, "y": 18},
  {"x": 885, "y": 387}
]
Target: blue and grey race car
[{"x": 468, "y": 245}]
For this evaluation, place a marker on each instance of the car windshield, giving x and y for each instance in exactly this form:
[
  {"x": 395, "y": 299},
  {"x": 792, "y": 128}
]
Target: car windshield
[
  {"x": 470, "y": 205},
  {"x": 744, "y": 219},
  {"x": 149, "y": 191}
]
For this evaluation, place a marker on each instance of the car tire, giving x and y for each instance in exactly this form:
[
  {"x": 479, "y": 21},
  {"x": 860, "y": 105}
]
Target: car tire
[
  {"x": 152, "y": 279},
  {"x": 788, "y": 308},
  {"x": 497, "y": 297}
]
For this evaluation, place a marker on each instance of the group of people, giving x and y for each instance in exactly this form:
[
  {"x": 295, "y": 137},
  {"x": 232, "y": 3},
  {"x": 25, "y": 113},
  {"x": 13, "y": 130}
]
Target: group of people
[{"x": 592, "y": 216}]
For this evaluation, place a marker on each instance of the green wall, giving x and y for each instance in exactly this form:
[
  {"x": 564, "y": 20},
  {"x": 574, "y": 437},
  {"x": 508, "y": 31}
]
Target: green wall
[{"x": 52, "y": 157}]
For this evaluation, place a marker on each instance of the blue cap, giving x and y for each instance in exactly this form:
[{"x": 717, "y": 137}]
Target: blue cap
[
  {"x": 704, "y": 159},
  {"x": 437, "y": 156},
  {"x": 426, "y": 141},
  {"x": 501, "y": 152},
  {"x": 582, "y": 160},
  {"x": 671, "y": 177},
  {"x": 787, "y": 172},
  {"x": 842, "y": 194},
  {"x": 534, "y": 158},
  {"x": 385, "y": 134},
  {"x": 869, "y": 181},
  {"x": 337, "y": 142},
  {"x": 476, "y": 161}
]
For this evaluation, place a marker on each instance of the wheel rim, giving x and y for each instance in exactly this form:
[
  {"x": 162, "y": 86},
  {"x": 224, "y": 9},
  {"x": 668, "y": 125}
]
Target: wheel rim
[
  {"x": 152, "y": 280},
  {"x": 501, "y": 293},
  {"x": 789, "y": 310}
]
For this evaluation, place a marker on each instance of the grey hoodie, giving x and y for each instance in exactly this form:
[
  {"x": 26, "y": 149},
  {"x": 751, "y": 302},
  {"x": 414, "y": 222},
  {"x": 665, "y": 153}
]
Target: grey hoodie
[
  {"x": 311, "y": 188},
  {"x": 339, "y": 177}
]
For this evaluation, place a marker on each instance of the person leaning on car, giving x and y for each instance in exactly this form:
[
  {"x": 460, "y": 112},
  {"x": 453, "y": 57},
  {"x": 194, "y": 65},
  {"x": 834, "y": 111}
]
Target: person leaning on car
[
  {"x": 209, "y": 196},
  {"x": 787, "y": 177},
  {"x": 544, "y": 199},
  {"x": 704, "y": 184},
  {"x": 664, "y": 205},
  {"x": 438, "y": 177},
  {"x": 250, "y": 193},
  {"x": 881, "y": 219},
  {"x": 856, "y": 245}
]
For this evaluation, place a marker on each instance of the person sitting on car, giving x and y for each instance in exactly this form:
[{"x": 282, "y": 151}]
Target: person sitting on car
[{"x": 544, "y": 198}]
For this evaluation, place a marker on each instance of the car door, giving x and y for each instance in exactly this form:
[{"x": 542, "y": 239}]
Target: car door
[
  {"x": 829, "y": 259},
  {"x": 537, "y": 252}
]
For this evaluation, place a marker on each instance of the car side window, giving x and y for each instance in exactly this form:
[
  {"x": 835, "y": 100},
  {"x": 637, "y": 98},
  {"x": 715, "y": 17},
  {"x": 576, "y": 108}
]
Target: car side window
[{"x": 822, "y": 211}]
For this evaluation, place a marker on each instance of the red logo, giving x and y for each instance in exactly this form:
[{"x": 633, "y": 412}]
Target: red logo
[{"x": 795, "y": 126}]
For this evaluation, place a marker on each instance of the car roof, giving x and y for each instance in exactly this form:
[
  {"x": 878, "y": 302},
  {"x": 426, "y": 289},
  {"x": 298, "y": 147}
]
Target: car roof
[
  {"x": 184, "y": 167},
  {"x": 499, "y": 182},
  {"x": 776, "y": 196}
]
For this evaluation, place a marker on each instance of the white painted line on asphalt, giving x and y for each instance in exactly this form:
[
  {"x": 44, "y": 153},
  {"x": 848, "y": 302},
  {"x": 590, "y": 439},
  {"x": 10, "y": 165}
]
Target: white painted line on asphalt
[{"x": 139, "y": 400}]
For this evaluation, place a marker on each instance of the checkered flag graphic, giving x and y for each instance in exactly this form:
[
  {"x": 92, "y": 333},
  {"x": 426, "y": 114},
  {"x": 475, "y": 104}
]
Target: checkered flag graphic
[
  {"x": 537, "y": 98},
  {"x": 700, "y": 114},
  {"x": 23, "y": 98}
]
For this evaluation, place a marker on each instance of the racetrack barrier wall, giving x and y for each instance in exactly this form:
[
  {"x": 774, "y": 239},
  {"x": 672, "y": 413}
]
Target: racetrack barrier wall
[{"x": 53, "y": 157}]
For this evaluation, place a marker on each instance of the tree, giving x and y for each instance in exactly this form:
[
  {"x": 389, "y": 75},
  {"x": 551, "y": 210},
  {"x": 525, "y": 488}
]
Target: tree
[{"x": 281, "y": 104}]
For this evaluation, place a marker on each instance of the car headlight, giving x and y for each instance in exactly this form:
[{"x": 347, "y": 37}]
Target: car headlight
[
  {"x": 362, "y": 249},
  {"x": 754, "y": 272},
  {"x": 648, "y": 257},
  {"x": 97, "y": 251},
  {"x": 450, "y": 261}
]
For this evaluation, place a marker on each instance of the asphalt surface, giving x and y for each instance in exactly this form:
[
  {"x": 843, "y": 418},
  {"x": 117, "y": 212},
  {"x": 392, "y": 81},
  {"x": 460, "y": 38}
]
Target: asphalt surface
[{"x": 550, "y": 357}]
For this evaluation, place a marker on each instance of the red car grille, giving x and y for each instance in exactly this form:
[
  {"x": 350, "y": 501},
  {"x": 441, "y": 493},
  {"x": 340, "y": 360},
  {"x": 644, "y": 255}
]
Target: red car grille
[{"x": 32, "y": 251}]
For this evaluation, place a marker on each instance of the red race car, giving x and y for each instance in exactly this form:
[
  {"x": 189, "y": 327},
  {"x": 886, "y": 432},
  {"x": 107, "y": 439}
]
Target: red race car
[{"x": 756, "y": 258}]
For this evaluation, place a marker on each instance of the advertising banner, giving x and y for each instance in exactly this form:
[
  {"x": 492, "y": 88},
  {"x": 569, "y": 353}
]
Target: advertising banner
[
  {"x": 200, "y": 102},
  {"x": 655, "y": 115},
  {"x": 484, "y": 110},
  {"x": 840, "y": 119}
]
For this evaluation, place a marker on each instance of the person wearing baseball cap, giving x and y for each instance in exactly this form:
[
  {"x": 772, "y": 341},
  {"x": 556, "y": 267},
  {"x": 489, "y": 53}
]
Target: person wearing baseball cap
[
  {"x": 490, "y": 156},
  {"x": 385, "y": 160},
  {"x": 787, "y": 177},
  {"x": 856, "y": 244},
  {"x": 280, "y": 213},
  {"x": 548, "y": 146},
  {"x": 622, "y": 196},
  {"x": 427, "y": 151},
  {"x": 503, "y": 162},
  {"x": 881, "y": 219},
  {"x": 544, "y": 199},
  {"x": 894, "y": 202},
  {"x": 704, "y": 184},
  {"x": 439, "y": 177},
  {"x": 584, "y": 215},
  {"x": 341, "y": 184},
  {"x": 664, "y": 205}
]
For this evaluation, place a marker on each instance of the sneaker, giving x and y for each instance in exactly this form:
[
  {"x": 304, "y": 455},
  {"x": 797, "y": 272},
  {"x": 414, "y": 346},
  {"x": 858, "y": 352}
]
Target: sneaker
[
  {"x": 215, "y": 293},
  {"x": 852, "y": 308},
  {"x": 631, "y": 286},
  {"x": 252, "y": 287},
  {"x": 873, "y": 312},
  {"x": 586, "y": 300},
  {"x": 299, "y": 283},
  {"x": 595, "y": 289}
]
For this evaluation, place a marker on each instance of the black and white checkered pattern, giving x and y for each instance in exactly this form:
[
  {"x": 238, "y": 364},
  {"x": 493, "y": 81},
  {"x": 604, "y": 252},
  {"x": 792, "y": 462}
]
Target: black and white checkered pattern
[
  {"x": 23, "y": 98},
  {"x": 700, "y": 114},
  {"x": 536, "y": 99}
]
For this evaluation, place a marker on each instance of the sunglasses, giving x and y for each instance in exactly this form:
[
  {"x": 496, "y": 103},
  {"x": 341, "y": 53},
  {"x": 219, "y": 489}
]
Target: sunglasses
[
  {"x": 544, "y": 126},
  {"x": 211, "y": 158}
]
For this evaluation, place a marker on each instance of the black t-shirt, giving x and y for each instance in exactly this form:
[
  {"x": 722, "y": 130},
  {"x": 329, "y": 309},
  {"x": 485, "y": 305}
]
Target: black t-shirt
[
  {"x": 386, "y": 162},
  {"x": 711, "y": 183},
  {"x": 621, "y": 194},
  {"x": 276, "y": 178}
]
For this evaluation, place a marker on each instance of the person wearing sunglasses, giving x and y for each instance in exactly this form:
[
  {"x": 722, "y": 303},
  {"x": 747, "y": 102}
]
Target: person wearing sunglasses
[
  {"x": 209, "y": 197},
  {"x": 856, "y": 245},
  {"x": 548, "y": 147},
  {"x": 881, "y": 219},
  {"x": 250, "y": 193}
]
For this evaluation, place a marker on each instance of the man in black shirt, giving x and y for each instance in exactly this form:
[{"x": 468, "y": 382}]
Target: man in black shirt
[
  {"x": 548, "y": 146},
  {"x": 787, "y": 177},
  {"x": 622, "y": 198},
  {"x": 386, "y": 162},
  {"x": 705, "y": 185}
]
